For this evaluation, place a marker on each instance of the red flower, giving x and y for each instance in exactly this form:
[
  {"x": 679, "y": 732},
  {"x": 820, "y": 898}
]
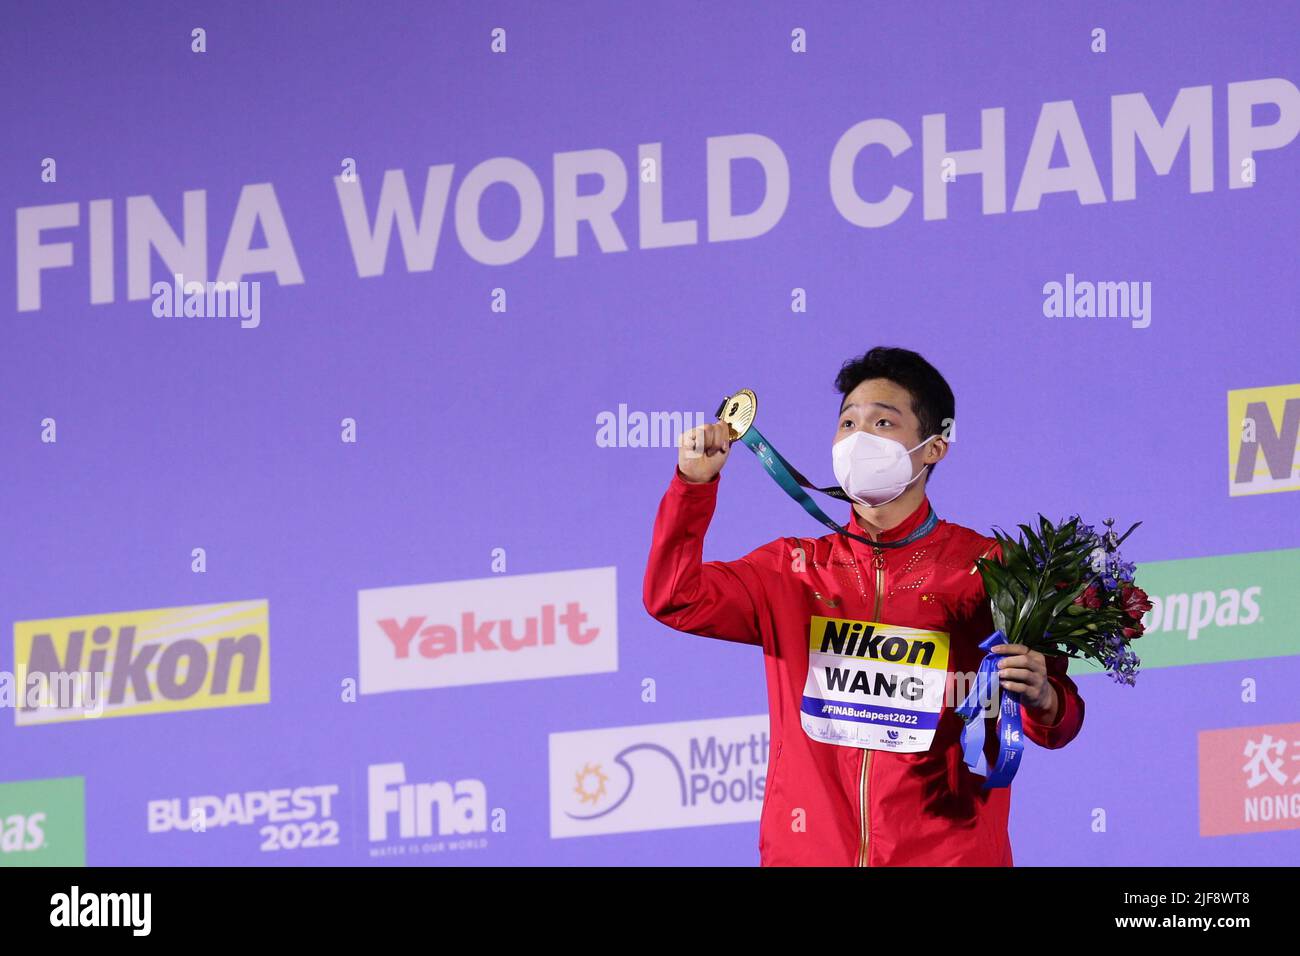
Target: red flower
[
  {"x": 1135, "y": 601},
  {"x": 1089, "y": 598},
  {"x": 1135, "y": 631}
]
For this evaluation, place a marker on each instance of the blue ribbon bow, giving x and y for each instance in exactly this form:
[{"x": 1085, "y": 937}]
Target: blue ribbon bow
[{"x": 1010, "y": 739}]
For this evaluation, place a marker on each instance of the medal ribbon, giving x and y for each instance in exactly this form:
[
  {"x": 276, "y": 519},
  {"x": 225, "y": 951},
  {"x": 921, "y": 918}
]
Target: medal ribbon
[
  {"x": 794, "y": 484},
  {"x": 1010, "y": 739}
]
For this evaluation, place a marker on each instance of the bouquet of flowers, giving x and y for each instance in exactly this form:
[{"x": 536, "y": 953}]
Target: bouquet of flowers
[
  {"x": 1063, "y": 590},
  {"x": 1067, "y": 590}
]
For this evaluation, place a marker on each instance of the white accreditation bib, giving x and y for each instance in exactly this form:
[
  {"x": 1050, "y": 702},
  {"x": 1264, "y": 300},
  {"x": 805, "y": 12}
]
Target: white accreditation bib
[{"x": 874, "y": 686}]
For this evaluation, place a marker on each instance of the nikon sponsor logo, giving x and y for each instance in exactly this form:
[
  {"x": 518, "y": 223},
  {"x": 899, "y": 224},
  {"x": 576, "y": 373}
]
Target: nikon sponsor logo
[
  {"x": 43, "y": 822},
  {"x": 168, "y": 659},
  {"x": 1263, "y": 440},
  {"x": 833, "y": 635},
  {"x": 1230, "y": 608}
]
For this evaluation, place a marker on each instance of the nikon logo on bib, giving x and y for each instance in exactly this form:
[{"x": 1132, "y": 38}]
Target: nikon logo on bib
[{"x": 875, "y": 686}]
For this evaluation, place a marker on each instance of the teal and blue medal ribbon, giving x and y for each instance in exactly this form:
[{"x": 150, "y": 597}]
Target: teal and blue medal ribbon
[
  {"x": 794, "y": 483},
  {"x": 1010, "y": 738}
]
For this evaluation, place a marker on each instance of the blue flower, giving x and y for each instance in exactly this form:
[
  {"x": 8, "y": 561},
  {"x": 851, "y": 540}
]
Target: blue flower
[
  {"x": 1119, "y": 660},
  {"x": 1083, "y": 532}
]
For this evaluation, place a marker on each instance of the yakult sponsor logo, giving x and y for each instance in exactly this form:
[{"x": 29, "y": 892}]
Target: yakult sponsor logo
[
  {"x": 487, "y": 630},
  {"x": 658, "y": 776},
  {"x": 285, "y": 819},
  {"x": 1249, "y": 779},
  {"x": 421, "y": 818},
  {"x": 145, "y": 662}
]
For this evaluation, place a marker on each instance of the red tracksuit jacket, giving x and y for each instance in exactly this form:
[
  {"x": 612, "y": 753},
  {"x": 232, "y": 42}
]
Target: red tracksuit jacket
[{"x": 826, "y": 804}]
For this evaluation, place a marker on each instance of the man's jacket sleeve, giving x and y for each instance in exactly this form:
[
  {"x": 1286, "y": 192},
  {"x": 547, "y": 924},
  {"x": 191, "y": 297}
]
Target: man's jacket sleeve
[
  {"x": 721, "y": 599},
  {"x": 1069, "y": 712},
  {"x": 1069, "y": 709}
]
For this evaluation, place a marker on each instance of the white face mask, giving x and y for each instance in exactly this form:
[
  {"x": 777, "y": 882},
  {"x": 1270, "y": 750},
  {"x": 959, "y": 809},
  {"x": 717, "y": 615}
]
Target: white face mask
[{"x": 872, "y": 470}]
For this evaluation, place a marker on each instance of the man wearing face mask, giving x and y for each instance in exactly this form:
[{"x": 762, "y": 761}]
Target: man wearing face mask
[{"x": 888, "y": 627}]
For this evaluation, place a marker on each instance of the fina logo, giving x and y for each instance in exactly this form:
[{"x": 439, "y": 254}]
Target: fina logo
[{"x": 590, "y": 781}]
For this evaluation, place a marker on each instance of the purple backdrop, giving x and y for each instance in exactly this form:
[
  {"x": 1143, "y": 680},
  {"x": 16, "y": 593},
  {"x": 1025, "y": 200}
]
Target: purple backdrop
[{"x": 476, "y": 429}]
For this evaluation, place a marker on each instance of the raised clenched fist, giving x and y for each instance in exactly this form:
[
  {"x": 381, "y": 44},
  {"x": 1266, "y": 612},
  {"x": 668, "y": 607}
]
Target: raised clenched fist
[{"x": 702, "y": 451}]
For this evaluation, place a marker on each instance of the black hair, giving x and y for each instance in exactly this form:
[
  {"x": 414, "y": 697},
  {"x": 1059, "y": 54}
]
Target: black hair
[{"x": 932, "y": 400}]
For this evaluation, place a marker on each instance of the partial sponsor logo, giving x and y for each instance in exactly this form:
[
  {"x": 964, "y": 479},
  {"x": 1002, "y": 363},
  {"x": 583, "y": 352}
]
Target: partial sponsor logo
[
  {"x": 1249, "y": 779},
  {"x": 43, "y": 822},
  {"x": 409, "y": 818},
  {"x": 487, "y": 630},
  {"x": 285, "y": 819},
  {"x": 1228, "y": 608},
  {"x": 1263, "y": 440},
  {"x": 658, "y": 776},
  {"x": 151, "y": 662}
]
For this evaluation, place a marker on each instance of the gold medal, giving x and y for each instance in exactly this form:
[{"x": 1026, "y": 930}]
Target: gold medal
[{"x": 738, "y": 411}]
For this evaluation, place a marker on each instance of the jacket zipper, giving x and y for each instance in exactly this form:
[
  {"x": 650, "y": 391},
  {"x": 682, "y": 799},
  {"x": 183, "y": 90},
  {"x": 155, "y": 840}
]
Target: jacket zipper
[{"x": 878, "y": 562}]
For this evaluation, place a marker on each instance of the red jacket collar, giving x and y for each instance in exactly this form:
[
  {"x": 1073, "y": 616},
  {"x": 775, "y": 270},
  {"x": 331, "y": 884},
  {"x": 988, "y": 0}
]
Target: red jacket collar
[{"x": 901, "y": 530}]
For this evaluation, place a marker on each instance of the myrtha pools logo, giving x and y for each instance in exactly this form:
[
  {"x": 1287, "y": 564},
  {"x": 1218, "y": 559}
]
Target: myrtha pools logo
[{"x": 658, "y": 776}]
